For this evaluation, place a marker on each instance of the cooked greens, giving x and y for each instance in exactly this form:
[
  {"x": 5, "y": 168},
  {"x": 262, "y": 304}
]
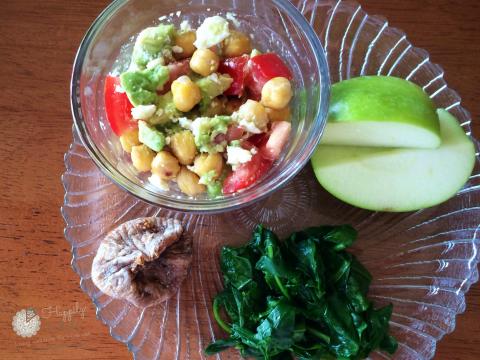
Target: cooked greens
[{"x": 303, "y": 298}]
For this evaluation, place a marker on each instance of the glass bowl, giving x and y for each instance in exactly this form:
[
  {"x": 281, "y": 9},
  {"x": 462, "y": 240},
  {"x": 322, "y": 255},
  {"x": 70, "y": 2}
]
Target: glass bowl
[
  {"x": 422, "y": 262},
  {"x": 276, "y": 25}
]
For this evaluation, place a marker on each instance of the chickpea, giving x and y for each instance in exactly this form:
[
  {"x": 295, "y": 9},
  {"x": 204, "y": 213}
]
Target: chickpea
[
  {"x": 204, "y": 62},
  {"x": 237, "y": 44},
  {"x": 277, "y": 93},
  {"x": 129, "y": 139},
  {"x": 142, "y": 158},
  {"x": 278, "y": 115},
  {"x": 185, "y": 41},
  {"x": 183, "y": 147},
  {"x": 188, "y": 182},
  {"x": 186, "y": 94},
  {"x": 165, "y": 165},
  {"x": 205, "y": 163},
  {"x": 253, "y": 111}
]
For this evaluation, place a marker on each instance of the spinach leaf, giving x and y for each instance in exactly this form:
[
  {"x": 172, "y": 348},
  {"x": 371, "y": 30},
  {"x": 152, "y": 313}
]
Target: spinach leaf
[
  {"x": 340, "y": 237},
  {"x": 305, "y": 297},
  {"x": 356, "y": 287},
  {"x": 275, "y": 332},
  {"x": 237, "y": 270},
  {"x": 220, "y": 345}
]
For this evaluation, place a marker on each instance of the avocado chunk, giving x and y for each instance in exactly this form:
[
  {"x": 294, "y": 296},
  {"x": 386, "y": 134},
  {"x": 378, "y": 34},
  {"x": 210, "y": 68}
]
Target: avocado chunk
[
  {"x": 141, "y": 85},
  {"x": 166, "y": 110},
  {"x": 212, "y": 86},
  {"x": 150, "y": 137},
  {"x": 214, "y": 185},
  {"x": 206, "y": 130},
  {"x": 152, "y": 43}
]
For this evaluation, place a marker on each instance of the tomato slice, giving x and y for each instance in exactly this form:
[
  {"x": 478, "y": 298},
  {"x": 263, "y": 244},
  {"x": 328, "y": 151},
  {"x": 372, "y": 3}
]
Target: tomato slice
[
  {"x": 258, "y": 140},
  {"x": 262, "y": 68},
  {"x": 235, "y": 67},
  {"x": 246, "y": 174},
  {"x": 118, "y": 107},
  {"x": 177, "y": 69},
  {"x": 279, "y": 137}
]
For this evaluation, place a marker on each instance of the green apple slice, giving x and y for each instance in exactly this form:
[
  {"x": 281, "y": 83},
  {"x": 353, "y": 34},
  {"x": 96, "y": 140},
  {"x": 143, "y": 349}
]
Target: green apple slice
[
  {"x": 396, "y": 180},
  {"x": 381, "y": 111}
]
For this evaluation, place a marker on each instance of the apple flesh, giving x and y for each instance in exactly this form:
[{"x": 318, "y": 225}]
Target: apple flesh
[
  {"x": 397, "y": 180},
  {"x": 381, "y": 111}
]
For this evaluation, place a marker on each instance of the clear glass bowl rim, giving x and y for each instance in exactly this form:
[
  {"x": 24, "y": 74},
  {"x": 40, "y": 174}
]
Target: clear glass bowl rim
[{"x": 244, "y": 198}]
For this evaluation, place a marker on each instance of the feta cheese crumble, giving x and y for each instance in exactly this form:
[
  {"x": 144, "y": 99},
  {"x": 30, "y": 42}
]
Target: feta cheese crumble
[
  {"x": 237, "y": 155},
  {"x": 143, "y": 112},
  {"x": 212, "y": 32}
]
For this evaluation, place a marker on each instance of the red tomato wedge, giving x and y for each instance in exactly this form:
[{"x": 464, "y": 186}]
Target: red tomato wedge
[
  {"x": 177, "y": 69},
  {"x": 258, "y": 140},
  {"x": 117, "y": 107},
  {"x": 262, "y": 68},
  {"x": 278, "y": 139},
  {"x": 235, "y": 67},
  {"x": 246, "y": 174}
]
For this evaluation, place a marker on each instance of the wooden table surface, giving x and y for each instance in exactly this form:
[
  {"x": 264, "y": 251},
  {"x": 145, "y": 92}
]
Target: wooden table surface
[{"x": 38, "y": 41}]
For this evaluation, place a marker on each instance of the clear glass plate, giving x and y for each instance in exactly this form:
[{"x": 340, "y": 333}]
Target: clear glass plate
[{"x": 422, "y": 262}]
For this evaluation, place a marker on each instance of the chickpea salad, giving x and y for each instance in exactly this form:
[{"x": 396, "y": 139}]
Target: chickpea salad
[{"x": 201, "y": 108}]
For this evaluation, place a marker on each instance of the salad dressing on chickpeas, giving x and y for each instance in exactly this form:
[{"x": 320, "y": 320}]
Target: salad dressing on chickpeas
[{"x": 201, "y": 108}]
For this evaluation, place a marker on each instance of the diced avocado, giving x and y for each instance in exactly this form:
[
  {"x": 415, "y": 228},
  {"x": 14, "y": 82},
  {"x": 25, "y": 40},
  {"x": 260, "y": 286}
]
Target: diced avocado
[
  {"x": 169, "y": 128},
  {"x": 150, "y": 137},
  {"x": 214, "y": 189},
  {"x": 212, "y": 86},
  {"x": 141, "y": 86},
  {"x": 213, "y": 183},
  {"x": 212, "y": 32},
  {"x": 152, "y": 43},
  {"x": 206, "y": 130},
  {"x": 166, "y": 110}
]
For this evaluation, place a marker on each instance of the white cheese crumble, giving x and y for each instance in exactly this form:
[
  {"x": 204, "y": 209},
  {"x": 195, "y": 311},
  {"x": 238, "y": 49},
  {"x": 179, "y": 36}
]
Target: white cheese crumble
[
  {"x": 185, "y": 123},
  {"x": 249, "y": 126},
  {"x": 143, "y": 112},
  {"x": 196, "y": 127},
  {"x": 237, "y": 155},
  {"x": 212, "y": 32},
  {"x": 246, "y": 122}
]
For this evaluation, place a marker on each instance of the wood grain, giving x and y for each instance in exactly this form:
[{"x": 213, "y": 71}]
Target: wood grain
[{"x": 38, "y": 42}]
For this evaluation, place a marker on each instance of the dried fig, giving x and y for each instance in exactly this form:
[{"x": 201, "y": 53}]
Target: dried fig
[{"x": 143, "y": 261}]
